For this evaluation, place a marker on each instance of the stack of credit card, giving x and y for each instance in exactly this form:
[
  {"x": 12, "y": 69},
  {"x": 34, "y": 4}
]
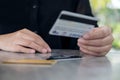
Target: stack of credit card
[
  {"x": 65, "y": 54},
  {"x": 73, "y": 25}
]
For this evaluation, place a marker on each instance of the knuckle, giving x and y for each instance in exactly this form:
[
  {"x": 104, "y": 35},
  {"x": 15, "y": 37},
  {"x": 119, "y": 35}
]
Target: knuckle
[
  {"x": 19, "y": 33},
  {"x": 106, "y": 48},
  {"x": 24, "y": 29}
]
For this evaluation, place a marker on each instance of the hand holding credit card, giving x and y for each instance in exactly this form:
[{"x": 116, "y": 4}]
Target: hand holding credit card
[{"x": 73, "y": 25}]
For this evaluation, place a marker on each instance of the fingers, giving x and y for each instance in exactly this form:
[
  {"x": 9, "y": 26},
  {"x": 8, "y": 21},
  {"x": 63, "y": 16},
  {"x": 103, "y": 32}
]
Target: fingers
[
  {"x": 36, "y": 39},
  {"x": 95, "y": 49},
  {"x": 97, "y": 42},
  {"x": 92, "y": 53},
  {"x": 31, "y": 44},
  {"x": 23, "y": 49},
  {"x": 28, "y": 39},
  {"x": 98, "y": 33}
]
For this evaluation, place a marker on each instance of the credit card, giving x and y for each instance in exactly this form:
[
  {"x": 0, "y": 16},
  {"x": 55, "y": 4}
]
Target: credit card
[
  {"x": 65, "y": 54},
  {"x": 70, "y": 24}
]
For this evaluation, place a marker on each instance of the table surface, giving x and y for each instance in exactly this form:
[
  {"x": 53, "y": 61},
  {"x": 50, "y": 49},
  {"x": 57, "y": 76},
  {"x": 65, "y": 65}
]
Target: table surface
[{"x": 86, "y": 68}]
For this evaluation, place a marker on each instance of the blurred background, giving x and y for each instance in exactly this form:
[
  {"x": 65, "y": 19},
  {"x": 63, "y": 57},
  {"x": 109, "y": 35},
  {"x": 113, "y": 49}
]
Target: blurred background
[{"x": 108, "y": 13}]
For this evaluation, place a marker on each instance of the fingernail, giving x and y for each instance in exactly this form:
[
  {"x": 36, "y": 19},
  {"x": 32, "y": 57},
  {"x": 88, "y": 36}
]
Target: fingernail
[
  {"x": 49, "y": 50},
  {"x": 44, "y": 50}
]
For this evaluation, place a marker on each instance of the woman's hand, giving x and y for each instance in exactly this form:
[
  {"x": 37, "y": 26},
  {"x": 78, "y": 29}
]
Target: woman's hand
[
  {"x": 97, "y": 42},
  {"x": 24, "y": 41}
]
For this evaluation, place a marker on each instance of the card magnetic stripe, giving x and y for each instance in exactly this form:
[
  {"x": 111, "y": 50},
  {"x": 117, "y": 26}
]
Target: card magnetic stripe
[{"x": 78, "y": 19}]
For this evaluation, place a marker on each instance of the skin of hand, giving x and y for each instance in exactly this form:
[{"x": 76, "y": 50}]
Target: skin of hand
[
  {"x": 97, "y": 42},
  {"x": 24, "y": 41}
]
